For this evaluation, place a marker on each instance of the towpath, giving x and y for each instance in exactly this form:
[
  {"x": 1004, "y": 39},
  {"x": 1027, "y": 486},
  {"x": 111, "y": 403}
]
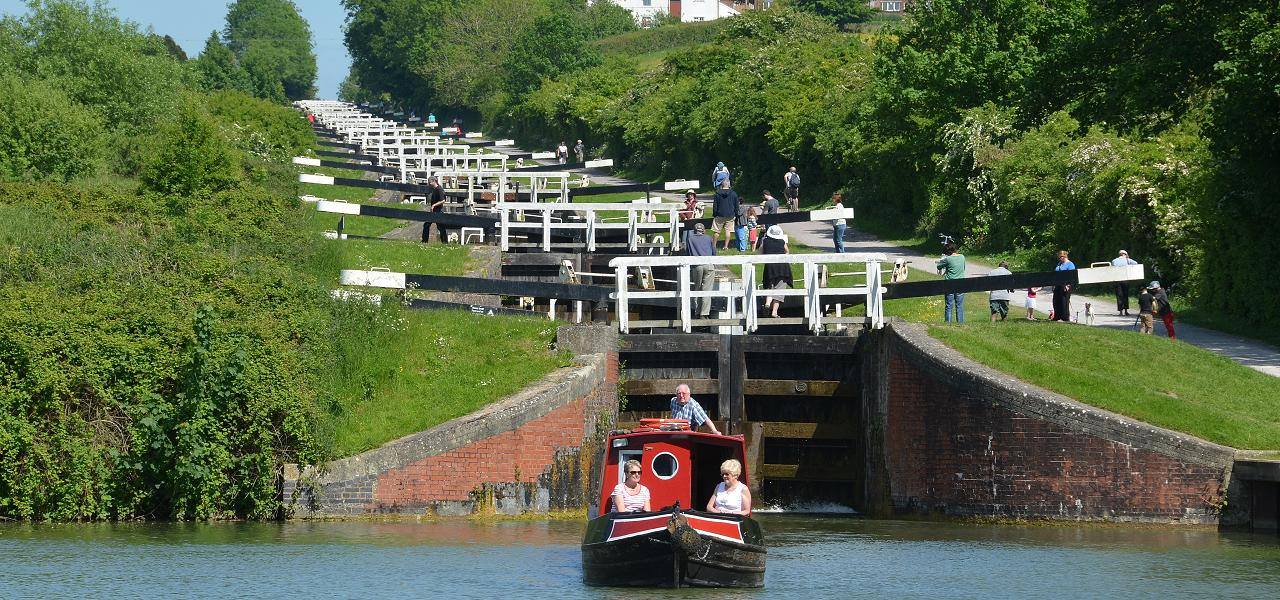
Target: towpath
[{"x": 1250, "y": 353}]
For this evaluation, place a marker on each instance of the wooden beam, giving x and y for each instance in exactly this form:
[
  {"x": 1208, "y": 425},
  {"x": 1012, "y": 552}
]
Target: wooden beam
[
  {"x": 808, "y": 431},
  {"x": 802, "y": 344},
  {"x": 798, "y": 387},
  {"x": 725, "y": 374},
  {"x": 658, "y": 387},
  {"x": 808, "y": 472},
  {"x": 738, "y": 362},
  {"x": 670, "y": 343}
]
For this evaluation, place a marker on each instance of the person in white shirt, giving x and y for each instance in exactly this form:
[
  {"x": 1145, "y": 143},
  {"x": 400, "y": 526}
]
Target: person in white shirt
[
  {"x": 630, "y": 496},
  {"x": 1122, "y": 288},
  {"x": 1000, "y": 298},
  {"x": 838, "y": 226},
  {"x": 731, "y": 496}
]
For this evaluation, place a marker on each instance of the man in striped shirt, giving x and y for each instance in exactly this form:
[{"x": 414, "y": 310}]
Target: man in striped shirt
[{"x": 683, "y": 406}]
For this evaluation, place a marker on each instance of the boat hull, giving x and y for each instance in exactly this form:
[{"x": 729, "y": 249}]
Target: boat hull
[{"x": 670, "y": 548}]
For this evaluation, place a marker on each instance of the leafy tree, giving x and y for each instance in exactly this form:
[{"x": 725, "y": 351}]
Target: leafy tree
[
  {"x": 554, "y": 43},
  {"x": 175, "y": 50},
  {"x": 97, "y": 60},
  {"x": 840, "y": 12},
  {"x": 606, "y": 18},
  {"x": 219, "y": 69},
  {"x": 44, "y": 134},
  {"x": 272, "y": 30},
  {"x": 464, "y": 64}
]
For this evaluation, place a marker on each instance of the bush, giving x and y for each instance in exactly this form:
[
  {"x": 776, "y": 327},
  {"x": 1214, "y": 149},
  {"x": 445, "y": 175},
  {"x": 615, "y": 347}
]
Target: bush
[
  {"x": 44, "y": 135},
  {"x": 193, "y": 156},
  {"x": 261, "y": 128}
]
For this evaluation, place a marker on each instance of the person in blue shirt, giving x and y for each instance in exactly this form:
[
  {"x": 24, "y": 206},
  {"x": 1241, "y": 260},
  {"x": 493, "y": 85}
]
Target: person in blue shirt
[
  {"x": 1122, "y": 288},
  {"x": 1062, "y": 293},
  {"x": 683, "y": 406}
]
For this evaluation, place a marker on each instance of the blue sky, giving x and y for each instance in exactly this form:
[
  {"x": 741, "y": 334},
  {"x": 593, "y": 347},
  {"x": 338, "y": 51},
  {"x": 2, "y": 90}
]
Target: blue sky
[{"x": 189, "y": 22}]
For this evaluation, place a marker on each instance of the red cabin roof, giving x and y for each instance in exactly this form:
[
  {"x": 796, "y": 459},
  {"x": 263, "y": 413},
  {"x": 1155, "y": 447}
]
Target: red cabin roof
[{"x": 679, "y": 465}]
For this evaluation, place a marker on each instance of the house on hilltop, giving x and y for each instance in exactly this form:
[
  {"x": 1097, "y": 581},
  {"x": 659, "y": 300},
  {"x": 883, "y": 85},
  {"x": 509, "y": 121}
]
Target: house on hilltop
[{"x": 686, "y": 10}]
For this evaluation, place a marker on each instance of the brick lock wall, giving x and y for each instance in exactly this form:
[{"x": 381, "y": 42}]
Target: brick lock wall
[
  {"x": 497, "y": 456},
  {"x": 955, "y": 445}
]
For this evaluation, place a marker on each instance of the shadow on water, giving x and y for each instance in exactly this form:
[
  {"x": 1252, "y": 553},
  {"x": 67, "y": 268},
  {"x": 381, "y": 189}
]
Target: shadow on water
[{"x": 810, "y": 556}]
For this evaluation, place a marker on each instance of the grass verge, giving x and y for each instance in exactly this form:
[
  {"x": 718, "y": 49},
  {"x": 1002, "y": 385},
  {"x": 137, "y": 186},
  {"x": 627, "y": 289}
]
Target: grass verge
[
  {"x": 1168, "y": 384},
  {"x": 429, "y": 367}
]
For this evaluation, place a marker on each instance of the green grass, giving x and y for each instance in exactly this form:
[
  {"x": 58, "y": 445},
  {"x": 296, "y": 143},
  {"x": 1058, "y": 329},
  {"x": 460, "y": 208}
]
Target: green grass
[
  {"x": 334, "y": 192},
  {"x": 1168, "y": 384},
  {"x": 433, "y": 366}
]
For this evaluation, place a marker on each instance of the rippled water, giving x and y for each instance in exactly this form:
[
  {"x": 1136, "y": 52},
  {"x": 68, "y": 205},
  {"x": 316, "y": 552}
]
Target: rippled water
[{"x": 809, "y": 557}]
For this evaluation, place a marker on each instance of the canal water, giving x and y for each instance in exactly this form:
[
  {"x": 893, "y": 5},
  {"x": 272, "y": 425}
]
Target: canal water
[{"x": 809, "y": 557}]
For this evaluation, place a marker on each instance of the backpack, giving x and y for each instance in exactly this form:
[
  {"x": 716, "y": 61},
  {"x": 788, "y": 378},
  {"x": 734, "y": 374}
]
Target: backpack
[{"x": 793, "y": 179}]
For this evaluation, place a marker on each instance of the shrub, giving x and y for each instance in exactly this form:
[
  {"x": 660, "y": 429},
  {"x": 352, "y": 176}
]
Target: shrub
[
  {"x": 193, "y": 156},
  {"x": 44, "y": 135}
]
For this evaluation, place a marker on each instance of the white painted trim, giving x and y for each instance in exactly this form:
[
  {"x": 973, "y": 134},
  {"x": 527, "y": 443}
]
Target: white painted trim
[
  {"x": 595, "y": 164},
  {"x": 314, "y": 178},
  {"x": 338, "y": 207},
  {"x": 303, "y": 160},
  {"x": 1111, "y": 274},
  {"x": 543, "y": 155},
  {"x": 372, "y": 278},
  {"x": 681, "y": 184}
]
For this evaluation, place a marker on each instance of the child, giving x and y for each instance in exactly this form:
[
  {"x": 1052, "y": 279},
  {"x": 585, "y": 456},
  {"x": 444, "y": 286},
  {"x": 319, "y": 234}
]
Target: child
[
  {"x": 1031, "y": 303},
  {"x": 753, "y": 227}
]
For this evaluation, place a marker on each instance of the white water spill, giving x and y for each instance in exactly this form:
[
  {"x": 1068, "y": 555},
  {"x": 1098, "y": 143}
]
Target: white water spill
[{"x": 826, "y": 508}]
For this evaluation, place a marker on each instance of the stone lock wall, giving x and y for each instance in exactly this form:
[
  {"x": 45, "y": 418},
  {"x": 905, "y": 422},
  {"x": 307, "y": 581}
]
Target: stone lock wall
[
  {"x": 958, "y": 438},
  {"x": 533, "y": 451}
]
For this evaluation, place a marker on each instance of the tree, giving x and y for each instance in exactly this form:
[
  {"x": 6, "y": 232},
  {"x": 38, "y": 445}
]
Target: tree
[
  {"x": 273, "y": 29},
  {"x": 555, "y": 43},
  {"x": 193, "y": 157},
  {"x": 43, "y": 134},
  {"x": 219, "y": 69},
  {"x": 840, "y": 12},
  {"x": 606, "y": 18}
]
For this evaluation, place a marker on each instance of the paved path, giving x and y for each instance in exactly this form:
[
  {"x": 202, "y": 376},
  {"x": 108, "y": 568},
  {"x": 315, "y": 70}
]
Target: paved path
[{"x": 1250, "y": 353}]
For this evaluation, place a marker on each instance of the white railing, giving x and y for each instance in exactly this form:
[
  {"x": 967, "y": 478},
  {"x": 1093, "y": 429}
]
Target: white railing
[
  {"x": 811, "y": 288},
  {"x": 514, "y": 217}
]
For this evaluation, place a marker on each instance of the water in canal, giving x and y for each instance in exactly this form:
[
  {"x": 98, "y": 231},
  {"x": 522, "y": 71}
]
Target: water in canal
[{"x": 809, "y": 557}]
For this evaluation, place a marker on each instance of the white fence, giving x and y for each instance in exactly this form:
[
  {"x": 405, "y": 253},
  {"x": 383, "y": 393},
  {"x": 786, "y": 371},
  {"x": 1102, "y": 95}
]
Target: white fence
[
  {"x": 514, "y": 217},
  {"x": 811, "y": 289}
]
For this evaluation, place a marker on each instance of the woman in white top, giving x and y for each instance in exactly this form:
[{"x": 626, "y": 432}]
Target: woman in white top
[
  {"x": 731, "y": 496},
  {"x": 630, "y": 496}
]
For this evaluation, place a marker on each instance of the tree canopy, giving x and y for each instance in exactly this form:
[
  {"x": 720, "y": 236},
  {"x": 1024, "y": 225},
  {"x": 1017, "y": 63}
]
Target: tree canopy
[{"x": 272, "y": 40}]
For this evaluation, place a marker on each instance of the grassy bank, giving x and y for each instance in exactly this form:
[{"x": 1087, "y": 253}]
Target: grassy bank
[
  {"x": 432, "y": 366},
  {"x": 1168, "y": 384}
]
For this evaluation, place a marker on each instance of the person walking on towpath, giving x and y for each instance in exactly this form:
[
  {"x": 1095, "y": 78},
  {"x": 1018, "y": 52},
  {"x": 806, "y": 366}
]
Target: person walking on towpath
[
  {"x": 1062, "y": 293},
  {"x": 580, "y": 151},
  {"x": 720, "y": 176},
  {"x": 435, "y": 204},
  {"x": 698, "y": 243},
  {"x": 562, "y": 153},
  {"x": 724, "y": 210},
  {"x": 838, "y": 225},
  {"x": 792, "y": 180},
  {"x": 1122, "y": 288},
  {"x": 683, "y": 406},
  {"x": 1146, "y": 310},
  {"x": 951, "y": 266},
  {"x": 770, "y": 204},
  {"x": 999, "y": 300},
  {"x": 1164, "y": 310}
]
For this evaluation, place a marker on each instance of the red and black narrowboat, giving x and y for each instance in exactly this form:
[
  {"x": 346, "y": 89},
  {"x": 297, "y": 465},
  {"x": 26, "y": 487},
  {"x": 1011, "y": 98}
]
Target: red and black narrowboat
[{"x": 675, "y": 545}]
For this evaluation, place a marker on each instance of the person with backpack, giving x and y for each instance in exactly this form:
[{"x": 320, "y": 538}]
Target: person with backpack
[
  {"x": 720, "y": 176},
  {"x": 792, "y": 181},
  {"x": 724, "y": 211},
  {"x": 1163, "y": 309},
  {"x": 1147, "y": 309}
]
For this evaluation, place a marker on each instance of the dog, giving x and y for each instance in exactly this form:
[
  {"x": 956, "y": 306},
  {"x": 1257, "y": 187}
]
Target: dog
[{"x": 1088, "y": 313}]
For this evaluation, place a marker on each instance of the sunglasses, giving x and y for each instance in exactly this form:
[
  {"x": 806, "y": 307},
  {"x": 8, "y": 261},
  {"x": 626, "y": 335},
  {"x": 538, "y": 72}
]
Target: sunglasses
[{"x": 633, "y": 472}]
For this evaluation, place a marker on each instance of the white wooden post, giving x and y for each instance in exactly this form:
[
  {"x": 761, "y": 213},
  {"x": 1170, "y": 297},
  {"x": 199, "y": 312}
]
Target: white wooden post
[
  {"x": 675, "y": 229},
  {"x": 546, "y": 230},
  {"x": 632, "y": 238},
  {"x": 682, "y": 287},
  {"x": 504, "y": 222},
  {"x": 591, "y": 230},
  {"x": 750, "y": 305},
  {"x": 620, "y": 299}
]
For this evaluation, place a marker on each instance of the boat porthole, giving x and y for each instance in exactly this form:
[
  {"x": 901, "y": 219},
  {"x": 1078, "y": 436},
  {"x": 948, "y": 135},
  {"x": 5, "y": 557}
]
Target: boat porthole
[{"x": 665, "y": 465}]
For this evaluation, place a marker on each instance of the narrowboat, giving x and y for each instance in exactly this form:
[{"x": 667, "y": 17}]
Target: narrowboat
[{"x": 676, "y": 544}]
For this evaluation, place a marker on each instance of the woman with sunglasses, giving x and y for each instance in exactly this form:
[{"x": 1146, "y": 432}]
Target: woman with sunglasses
[
  {"x": 630, "y": 496},
  {"x": 731, "y": 496}
]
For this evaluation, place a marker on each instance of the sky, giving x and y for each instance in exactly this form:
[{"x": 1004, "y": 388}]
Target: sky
[{"x": 190, "y": 21}]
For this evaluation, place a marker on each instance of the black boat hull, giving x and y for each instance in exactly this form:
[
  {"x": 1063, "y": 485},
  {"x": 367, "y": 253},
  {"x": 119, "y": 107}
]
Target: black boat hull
[{"x": 676, "y": 555}]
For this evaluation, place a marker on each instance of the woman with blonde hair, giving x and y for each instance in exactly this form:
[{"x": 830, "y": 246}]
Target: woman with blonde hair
[
  {"x": 630, "y": 496},
  {"x": 731, "y": 496}
]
